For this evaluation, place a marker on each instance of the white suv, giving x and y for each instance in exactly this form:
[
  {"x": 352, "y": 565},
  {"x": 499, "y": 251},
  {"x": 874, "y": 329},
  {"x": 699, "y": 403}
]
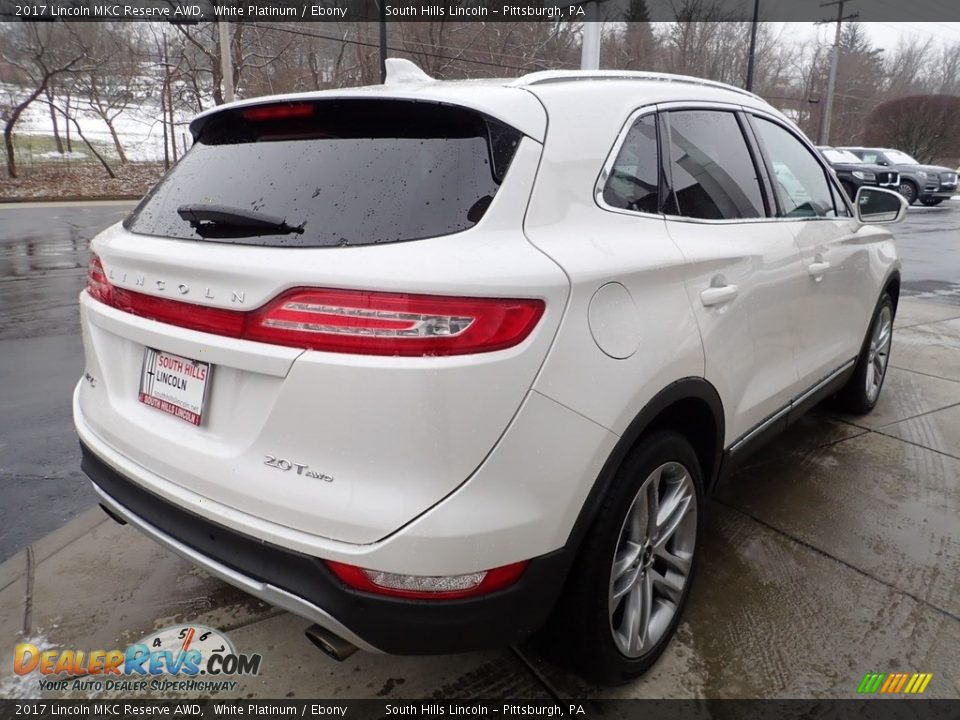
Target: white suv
[{"x": 437, "y": 365}]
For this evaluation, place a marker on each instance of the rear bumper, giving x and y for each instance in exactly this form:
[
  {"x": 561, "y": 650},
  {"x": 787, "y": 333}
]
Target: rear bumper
[{"x": 303, "y": 585}]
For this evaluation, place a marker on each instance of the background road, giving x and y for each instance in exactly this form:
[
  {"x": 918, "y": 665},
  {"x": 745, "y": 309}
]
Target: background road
[{"x": 43, "y": 259}]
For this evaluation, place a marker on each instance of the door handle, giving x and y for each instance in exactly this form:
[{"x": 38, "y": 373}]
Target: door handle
[
  {"x": 718, "y": 295},
  {"x": 817, "y": 269}
]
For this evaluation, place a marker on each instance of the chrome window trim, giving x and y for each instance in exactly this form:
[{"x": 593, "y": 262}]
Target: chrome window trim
[
  {"x": 655, "y": 108},
  {"x": 811, "y": 148},
  {"x": 601, "y": 183},
  {"x": 724, "y": 107}
]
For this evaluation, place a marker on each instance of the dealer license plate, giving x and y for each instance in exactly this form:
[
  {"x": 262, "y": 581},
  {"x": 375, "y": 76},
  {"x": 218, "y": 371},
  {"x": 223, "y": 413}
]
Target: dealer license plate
[{"x": 174, "y": 384}]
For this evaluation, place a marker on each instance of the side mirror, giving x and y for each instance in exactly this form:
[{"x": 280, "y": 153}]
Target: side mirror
[{"x": 878, "y": 206}]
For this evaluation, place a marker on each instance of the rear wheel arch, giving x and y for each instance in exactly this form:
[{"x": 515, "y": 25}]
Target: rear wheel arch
[
  {"x": 691, "y": 407},
  {"x": 891, "y": 287}
]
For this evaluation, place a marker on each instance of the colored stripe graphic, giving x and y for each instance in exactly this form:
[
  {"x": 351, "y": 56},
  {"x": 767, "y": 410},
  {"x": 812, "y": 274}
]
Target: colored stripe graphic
[
  {"x": 894, "y": 683},
  {"x": 901, "y": 681},
  {"x": 870, "y": 683},
  {"x": 890, "y": 681}
]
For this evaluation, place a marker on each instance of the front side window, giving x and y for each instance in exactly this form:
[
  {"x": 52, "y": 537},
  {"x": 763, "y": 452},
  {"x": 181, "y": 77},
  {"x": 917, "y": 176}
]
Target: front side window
[
  {"x": 800, "y": 180},
  {"x": 713, "y": 173},
  {"x": 633, "y": 183}
]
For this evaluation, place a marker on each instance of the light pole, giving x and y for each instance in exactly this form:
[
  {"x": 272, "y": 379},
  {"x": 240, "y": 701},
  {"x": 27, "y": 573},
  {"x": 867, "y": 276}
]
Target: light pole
[
  {"x": 753, "y": 45},
  {"x": 824, "y": 136},
  {"x": 383, "y": 41},
  {"x": 590, "y": 43}
]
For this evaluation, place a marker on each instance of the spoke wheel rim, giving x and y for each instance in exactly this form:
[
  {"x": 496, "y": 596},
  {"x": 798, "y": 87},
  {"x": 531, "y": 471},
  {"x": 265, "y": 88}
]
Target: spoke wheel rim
[
  {"x": 906, "y": 189},
  {"x": 653, "y": 558},
  {"x": 878, "y": 353}
]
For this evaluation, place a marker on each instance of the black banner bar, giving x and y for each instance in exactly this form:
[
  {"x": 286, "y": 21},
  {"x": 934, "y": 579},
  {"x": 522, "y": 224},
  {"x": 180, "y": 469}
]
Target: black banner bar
[
  {"x": 192, "y": 11},
  {"x": 873, "y": 709}
]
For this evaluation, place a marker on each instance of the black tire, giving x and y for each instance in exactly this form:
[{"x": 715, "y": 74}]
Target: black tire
[
  {"x": 580, "y": 634},
  {"x": 855, "y": 397},
  {"x": 909, "y": 191},
  {"x": 931, "y": 202}
]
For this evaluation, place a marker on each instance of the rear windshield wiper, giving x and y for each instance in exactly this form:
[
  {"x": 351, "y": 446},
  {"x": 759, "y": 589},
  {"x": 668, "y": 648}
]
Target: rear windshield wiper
[{"x": 224, "y": 221}]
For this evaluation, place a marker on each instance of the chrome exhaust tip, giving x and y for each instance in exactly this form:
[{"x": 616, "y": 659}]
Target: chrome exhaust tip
[{"x": 333, "y": 646}]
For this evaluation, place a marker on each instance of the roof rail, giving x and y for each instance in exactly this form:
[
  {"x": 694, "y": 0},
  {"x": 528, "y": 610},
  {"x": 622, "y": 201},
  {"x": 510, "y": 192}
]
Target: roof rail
[{"x": 548, "y": 76}]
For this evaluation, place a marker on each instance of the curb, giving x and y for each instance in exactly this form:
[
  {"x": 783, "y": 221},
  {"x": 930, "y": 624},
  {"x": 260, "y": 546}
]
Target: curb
[{"x": 68, "y": 198}]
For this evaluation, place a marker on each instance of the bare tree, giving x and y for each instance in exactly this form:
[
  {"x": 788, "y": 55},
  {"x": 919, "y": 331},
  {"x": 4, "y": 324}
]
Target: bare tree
[
  {"x": 921, "y": 125},
  {"x": 946, "y": 80},
  {"x": 109, "y": 82},
  {"x": 859, "y": 83},
  {"x": 907, "y": 66},
  {"x": 41, "y": 52}
]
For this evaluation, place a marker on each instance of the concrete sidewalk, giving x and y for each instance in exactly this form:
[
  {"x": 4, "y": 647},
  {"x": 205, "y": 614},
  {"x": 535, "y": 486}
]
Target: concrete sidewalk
[{"x": 836, "y": 552}]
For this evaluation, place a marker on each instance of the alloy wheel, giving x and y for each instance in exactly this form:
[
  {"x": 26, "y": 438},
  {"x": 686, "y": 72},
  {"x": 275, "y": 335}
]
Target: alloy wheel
[
  {"x": 878, "y": 353},
  {"x": 906, "y": 189},
  {"x": 653, "y": 559}
]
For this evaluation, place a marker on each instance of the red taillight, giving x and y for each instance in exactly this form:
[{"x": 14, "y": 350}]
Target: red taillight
[
  {"x": 345, "y": 321},
  {"x": 97, "y": 284},
  {"x": 371, "y": 323},
  {"x": 427, "y": 587},
  {"x": 172, "y": 312},
  {"x": 277, "y": 112}
]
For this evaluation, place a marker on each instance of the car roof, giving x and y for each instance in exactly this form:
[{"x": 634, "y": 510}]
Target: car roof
[
  {"x": 524, "y": 102},
  {"x": 866, "y": 147}
]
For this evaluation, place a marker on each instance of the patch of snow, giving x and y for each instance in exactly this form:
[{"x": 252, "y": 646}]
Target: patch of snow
[
  {"x": 54, "y": 155},
  {"x": 138, "y": 127},
  {"x": 24, "y": 686}
]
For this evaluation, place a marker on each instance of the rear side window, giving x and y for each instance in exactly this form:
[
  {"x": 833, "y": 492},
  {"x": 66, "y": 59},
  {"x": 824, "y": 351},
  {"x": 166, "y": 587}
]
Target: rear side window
[
  {"x": 633, "y": 180},
  {"x": 713, "y": 176},
  {"x": 800, "y": 180},
  {"x": 335, "y": 172}
]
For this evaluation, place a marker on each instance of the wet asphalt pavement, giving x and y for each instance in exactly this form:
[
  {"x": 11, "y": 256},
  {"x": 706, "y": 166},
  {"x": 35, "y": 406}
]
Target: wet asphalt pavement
[
  {"x": 43, "y": 261},
  {"x": 834, "y": 552},
  {"x": 43, "y": 257}
]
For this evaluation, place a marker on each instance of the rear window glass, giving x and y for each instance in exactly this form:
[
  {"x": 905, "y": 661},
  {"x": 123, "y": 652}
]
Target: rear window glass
[{"x": 331, "y": 173}]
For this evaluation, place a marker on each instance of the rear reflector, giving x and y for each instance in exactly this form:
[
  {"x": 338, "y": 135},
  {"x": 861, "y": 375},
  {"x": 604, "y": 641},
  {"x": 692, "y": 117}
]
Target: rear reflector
[
  {"x": 427, "y": 587},
  {"x": 345, "y": 321}
]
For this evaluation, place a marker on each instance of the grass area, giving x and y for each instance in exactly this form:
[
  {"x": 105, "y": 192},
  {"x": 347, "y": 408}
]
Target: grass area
[{"x": 29, "y": 150}]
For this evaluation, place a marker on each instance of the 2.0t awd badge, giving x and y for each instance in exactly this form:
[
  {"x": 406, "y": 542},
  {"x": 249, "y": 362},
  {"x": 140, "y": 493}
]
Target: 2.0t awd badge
[{"x": 301, "y": 468}]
